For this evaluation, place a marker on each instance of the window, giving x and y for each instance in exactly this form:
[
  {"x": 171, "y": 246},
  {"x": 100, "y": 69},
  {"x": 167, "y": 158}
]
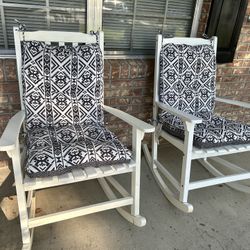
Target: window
[
  {"x": 132, "y": 25},
  {"x": 40, "y": 14},
  {"x": 225, "y": 21}
]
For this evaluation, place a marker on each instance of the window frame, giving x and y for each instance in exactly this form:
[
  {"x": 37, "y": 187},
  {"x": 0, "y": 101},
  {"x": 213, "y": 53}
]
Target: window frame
[{"x": 94, "y": 9}]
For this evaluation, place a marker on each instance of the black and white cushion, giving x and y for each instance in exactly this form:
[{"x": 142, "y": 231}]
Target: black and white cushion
[
  {"x": 187, "y": 82},
  {"x": 63, "y": 96},
  {"x": 56, "y": 150}
]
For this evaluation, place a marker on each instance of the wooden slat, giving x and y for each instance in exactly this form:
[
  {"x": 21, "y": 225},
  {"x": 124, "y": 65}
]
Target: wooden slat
[
  {"x": 72, "y": 213},
  {"x": 119, "y": 167},
  {"x": 58, "y": 36},
  {"x": 90, "y": 171},
  {"x": 67, "y": 177},
  {"x": 29, "y": 181},
  {"x": 107, "y": 169},
  {"x": 79, "y": 174}
]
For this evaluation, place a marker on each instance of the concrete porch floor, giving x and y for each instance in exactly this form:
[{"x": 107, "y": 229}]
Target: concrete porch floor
[{"x": 221, "y": 217}]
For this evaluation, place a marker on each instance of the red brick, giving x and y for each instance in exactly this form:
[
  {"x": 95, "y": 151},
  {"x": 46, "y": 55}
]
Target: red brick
[
  {"x": 9, "y": 88},
  {"x": 10, "y": 69}
]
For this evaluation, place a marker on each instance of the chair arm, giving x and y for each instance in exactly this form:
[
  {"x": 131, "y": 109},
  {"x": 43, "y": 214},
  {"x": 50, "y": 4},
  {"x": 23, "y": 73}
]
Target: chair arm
[
  {"x": 182, "y": 115},
  {"x": 233, "y": 102},
  {"x": 137, "y": 123},
  {"x": 11, "y": 133}
]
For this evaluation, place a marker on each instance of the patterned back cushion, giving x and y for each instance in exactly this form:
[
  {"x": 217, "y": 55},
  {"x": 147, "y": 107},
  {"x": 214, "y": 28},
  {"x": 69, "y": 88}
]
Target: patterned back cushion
[
  {"x": 63, "y": 85},
  {"x": 187, "y": 77}
]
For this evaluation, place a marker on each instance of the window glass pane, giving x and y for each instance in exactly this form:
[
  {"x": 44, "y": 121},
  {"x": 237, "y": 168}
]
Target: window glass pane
[
  {"x": 132, "y": 25},
  {"x": 61, "y": 15},
  {"x": 67, "y": 20},
  {"x": 33, "y": 18}
]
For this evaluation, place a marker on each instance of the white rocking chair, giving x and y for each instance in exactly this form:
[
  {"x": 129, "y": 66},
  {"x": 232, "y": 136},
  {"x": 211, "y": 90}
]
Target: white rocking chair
[
  {"x": 43, "y": 67},
  {"x": 184, "y": 91}
]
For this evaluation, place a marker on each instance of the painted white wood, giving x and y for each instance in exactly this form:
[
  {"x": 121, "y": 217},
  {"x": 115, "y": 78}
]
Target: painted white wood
[
  {"x": 216, "y": 172},
  {"x": 57, "y": 36},
  {"x": 94, "y": 17},
  {"x": 107, "y": 169},
  {"x": 167, "y": 174},
  {"x": 218, "y": 180},
  {"x": 11, "y": 132},
  {"x": 219, "y": 151},
  {"x": 117, "y": 186},
  {"x": 119, "y": 167},
  {"x": 178, "y": 143},
  {"x": 196, "y": 18},
  {"x": 182, "y": 115},
  {"x": 76, "y": 212},
  {"x": 133, "y": 121},
  {"x": 229, "y": 165},
  {"x": 233, "y": 102},
  {"x": 137, "y": 136},
  {"x": 186, "y": 162},
  {"x": 78, "y": 176},
  {"x": 21, "y": 197},
  {"x": 170, "y": 195},
  {"x": 136, "y": 220}
]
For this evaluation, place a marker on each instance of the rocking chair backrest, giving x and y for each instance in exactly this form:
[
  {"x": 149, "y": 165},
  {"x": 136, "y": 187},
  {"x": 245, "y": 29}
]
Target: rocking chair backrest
[
  {"x": 60, "y": 84},
  {"x": 185, "y": 73}
]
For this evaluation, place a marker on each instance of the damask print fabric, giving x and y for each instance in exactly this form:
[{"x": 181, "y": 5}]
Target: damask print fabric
[
  {"x": 63, "y": 95},
  {"x": 187, "y": 82}
]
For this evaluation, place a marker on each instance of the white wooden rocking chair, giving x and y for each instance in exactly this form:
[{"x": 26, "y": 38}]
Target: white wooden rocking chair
[
  {"x": 86, "y": 46},
  {"x": 184, "y": 89}
]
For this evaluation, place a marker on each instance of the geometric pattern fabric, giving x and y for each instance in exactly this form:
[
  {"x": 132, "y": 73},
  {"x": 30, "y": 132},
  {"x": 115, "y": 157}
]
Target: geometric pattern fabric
[
  {"x": 63, "y": 85},
  {"x": 56, "y": 150},
  {"x": 63, "y": 96},
  {"x": 187, "y": 82}
]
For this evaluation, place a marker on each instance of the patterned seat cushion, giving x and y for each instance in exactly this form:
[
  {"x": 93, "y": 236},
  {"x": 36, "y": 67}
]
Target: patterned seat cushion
[
  {"x": 56, "y": 150},
  {"x": 187, "y": 82},
  {"x": 63, "y": 97},
  {"x": 214, "y": 131}
]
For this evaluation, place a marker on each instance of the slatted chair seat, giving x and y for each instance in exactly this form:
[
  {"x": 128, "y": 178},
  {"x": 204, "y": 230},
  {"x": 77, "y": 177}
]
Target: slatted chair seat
[{"x": 77, "y": 175}]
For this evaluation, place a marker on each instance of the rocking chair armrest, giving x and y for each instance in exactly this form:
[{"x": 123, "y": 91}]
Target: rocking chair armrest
[
  {"x": 11, "y": 133},
  {"x": 233, "y": 102},
  {"x": 182, "y": 115},
  {"x": 133, "y": 121}
]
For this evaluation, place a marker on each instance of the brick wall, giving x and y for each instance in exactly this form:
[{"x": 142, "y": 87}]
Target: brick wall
[
  {"x": 233, "y": 79},
  {"x": 128, "y": 87}
]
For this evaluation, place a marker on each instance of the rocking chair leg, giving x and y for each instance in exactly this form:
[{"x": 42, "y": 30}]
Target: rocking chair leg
[
  {"x": 186, "y": 162},
  {"x": 135, "y": 177},
  {"x": 170, "y": 195},
  {"x": 21, "y": 199}
]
